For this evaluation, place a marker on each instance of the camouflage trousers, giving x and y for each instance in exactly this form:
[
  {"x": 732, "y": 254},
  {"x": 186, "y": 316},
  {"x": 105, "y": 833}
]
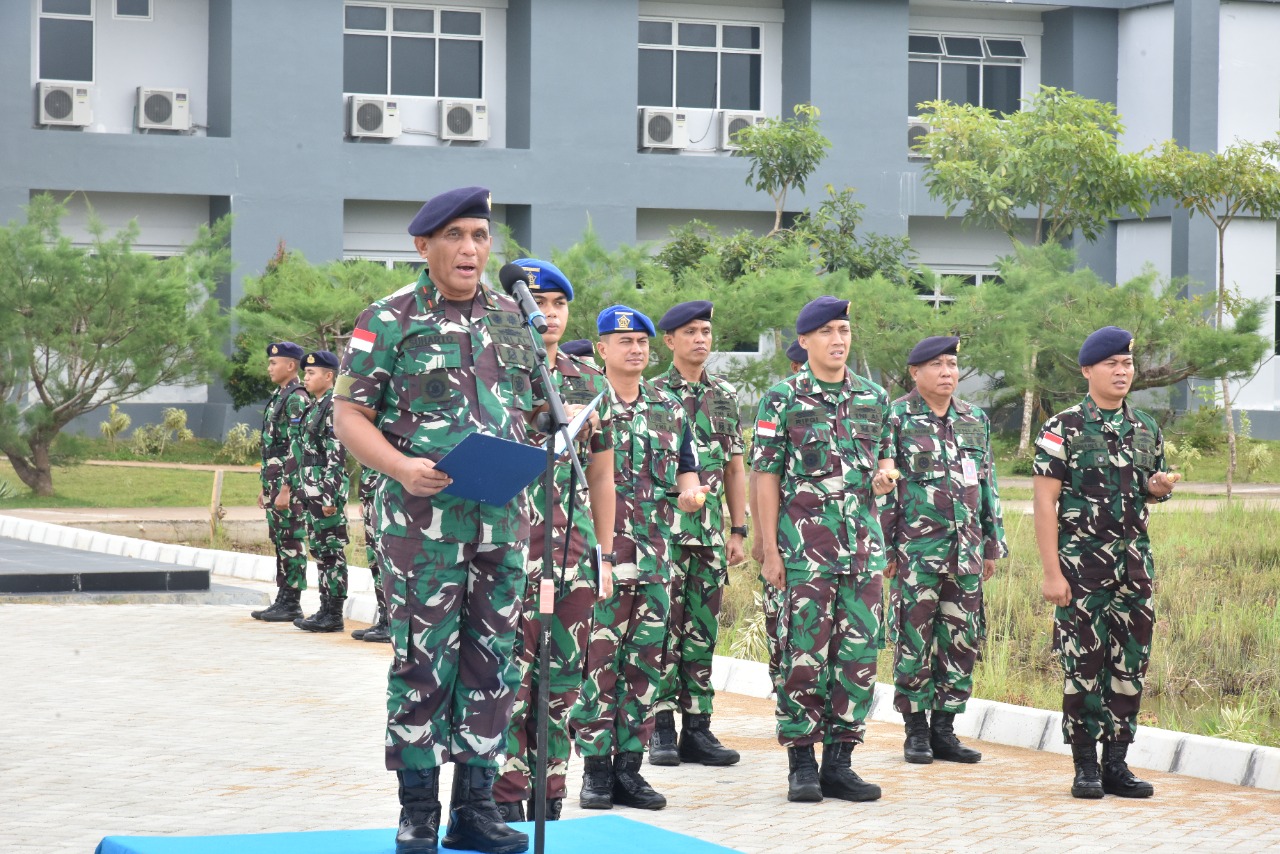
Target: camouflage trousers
[
  {"x": 1103, "y": 638},
  {"x": 327, "y": 539},
  {"x": 693, "y": 623},
  {"x": 614, "y": 712},
  {"x": 937, "y": 621},
  {"x": 453, "y": 610},
  {"x": 771, "y": 604},
  {"x": 288, "y": 529},
  {"x": 830, "y": 631},
  {"x": 370, "y": 547},
  {"x": 570, "y": 632}
]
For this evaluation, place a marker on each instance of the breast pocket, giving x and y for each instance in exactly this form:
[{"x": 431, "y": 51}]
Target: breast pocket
[
  {"x": 1090, "y": 463},
  {"x": 814, "y": 453},
  {"x": 424, "y": 377}
]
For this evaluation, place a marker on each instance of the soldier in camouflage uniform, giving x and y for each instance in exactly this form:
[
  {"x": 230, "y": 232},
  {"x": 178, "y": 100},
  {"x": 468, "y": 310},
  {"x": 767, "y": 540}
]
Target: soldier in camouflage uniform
[
  {"x": 1098, "y": 465},
  {"x": 378, "y": 632},
  {"x": 944, "y": 532},
  {"x": 427, "y": 366},
  {"x": 819, "y": 437},
  {"x": 317, "y": 472},
  {"x": 700, "y": 556},
  {"x": 655, "y": 473},
  {"x": 575, "y": 576},
  {"x": 286, "y": 523}
]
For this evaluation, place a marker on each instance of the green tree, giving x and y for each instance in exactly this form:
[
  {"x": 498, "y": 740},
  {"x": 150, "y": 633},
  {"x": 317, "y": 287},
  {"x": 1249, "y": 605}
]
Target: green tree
[
  {"x": 82, "y": 328},
  {"x": 783, "y": 154}
]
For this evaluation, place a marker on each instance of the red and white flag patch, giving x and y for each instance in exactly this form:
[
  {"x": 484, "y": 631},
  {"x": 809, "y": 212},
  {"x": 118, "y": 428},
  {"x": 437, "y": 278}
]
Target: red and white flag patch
[
  {"x": 1053, "y": 445},
  {"x": 362, "y": 339},
  {"x": 766, "y": 428}
]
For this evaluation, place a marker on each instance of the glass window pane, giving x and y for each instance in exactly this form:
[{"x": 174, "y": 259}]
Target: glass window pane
[
  {"x": 695, "y": 79},
  {"x": 739, "y": 81},
  {"x": 655, "y": 32},
  {"x": 67, "y": 7},
  {"x": 133, "y": 8},
  {"x": 925, "y": 44},
  {"x": 66, "y": 49},
  {"x": 364, "y": 64},
  {"x": 922, "y": 85},
  {"x": 1006, "y": 48},
  {"x": 655, "y": 78},
  {"x": 366, "y": 18},
  {"x": 698, "y": 35},
  {"x": 460, "y": 23},
  {"x": 461, "y": 68},
  {"x": 413, "y": 20},
  {"x": 960, "y": 83},
  {"x": 413, "y": 66},
  {"x": 1001, "y": 88},
  {"x": 741, "y": 38},
  {"x": 963, "y": 46}
]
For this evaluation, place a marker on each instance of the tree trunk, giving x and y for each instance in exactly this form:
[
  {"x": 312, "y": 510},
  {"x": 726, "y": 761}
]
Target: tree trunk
[
  {"x": 1226, "y": 385},
  {"x": 1028, "y": 406},
  {"x": 38, "y": 477}
]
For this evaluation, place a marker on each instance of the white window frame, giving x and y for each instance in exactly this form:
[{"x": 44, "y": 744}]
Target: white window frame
[
  {"x": 983, "y": 62},
  {"x": 92, "y": 18},
  {"x": 151, "y": 11},
  {"x": 436, "y": 35},
  {"x": 674, "y": 47},
  {"x": 937, "y": 299}
]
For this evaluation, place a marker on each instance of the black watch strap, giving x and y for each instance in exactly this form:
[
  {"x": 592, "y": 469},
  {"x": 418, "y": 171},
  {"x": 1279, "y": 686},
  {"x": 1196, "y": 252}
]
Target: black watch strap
[
  {"x": 609, "y": 556},
  {"x": 738, "y": 529}
]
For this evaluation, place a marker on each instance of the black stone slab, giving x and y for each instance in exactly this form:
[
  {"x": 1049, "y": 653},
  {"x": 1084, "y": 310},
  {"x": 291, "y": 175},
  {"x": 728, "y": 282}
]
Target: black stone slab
[{"x": 37, "y": 568}]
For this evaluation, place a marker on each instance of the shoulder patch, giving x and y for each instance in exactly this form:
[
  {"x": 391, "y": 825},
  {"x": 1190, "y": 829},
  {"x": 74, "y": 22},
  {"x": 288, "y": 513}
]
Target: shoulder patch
[{"x": 1052, "y": 444}]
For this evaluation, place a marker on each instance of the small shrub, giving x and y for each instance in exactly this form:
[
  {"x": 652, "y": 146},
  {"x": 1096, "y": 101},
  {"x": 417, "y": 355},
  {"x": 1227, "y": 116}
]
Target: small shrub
[
  {"x": 7, "y": 490},
  {"x": 1181, "y": 456},
  {"x": 243, "y": 445},
  {"x": 115, "y": 425},
  {"x": 150, "y": 440},
  {"x": 1203, "y": 429},
  {"x": 1255, "y": 458},
  {"x": 1023, "y": 465}
]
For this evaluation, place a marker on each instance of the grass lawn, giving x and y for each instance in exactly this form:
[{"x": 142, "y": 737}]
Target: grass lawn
[{"x": 124, "y": 486}]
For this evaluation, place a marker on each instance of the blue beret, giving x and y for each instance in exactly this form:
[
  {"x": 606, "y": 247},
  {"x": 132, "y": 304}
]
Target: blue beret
[
  {"x": 821, "y": 311},
  {"x": 455, "y": 204},
  {"x": 544, "y": 276},
  {"x": 797, "y": 354},
  {"x": 620, "y": 318},
  {"x": 580, "y": 347},
  {"x": 932, "y": 346},
  {"x": 321, "y": 359},
  {"x": 685, "y": 312},
  {"x": 1105, "y": 343},
  {"x": 287, "y": 349}
]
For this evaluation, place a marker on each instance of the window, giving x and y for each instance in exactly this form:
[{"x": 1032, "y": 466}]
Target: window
[
  {"x": 695, "y": 65},
  {"x": 413, "y": 51},
  {"x": 136, "y": 9},
  {"x": 977, "y": 70},
  {"x": 66, "y": 40},
  {"x": 933, "y": 286}
]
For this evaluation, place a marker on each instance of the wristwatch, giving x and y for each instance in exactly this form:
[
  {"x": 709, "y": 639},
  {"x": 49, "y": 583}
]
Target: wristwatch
[
  {"x": 608, "y": 556},
  {"x": 740, "y": 530}
]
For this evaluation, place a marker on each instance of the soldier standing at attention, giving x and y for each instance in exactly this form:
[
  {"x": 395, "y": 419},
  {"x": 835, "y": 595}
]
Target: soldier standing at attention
[
  {"x": 430, "y": 364},
  {"x": 655, "y": 472},
  {"x": 378, "y": 632},
  {"x": 574, "y": 575},
  {"x": 286, "y": 524},
  {"x": 819, "y": 437},
  {"x": 317, "y": 471},
  {"x": 1098, "y": 465},
  {"x": 700, "y": 557},
  {"x": 943, "y": 531}
]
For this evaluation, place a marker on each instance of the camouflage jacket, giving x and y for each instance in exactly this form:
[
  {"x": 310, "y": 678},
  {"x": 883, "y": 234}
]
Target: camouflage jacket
[
  {"x": 646, "y": 459},
  {"x": 433, "y": 376},
  {"x": 578, "y": 383},
  {"x": 712, "y": 408},
  {"x": 825, "y": 448},
  {"x": 281, "y": 425},
  {"x": 944, "y": 516},
  {"x": 317, "y": 466},
  {"x": 1102, "y": 509}
]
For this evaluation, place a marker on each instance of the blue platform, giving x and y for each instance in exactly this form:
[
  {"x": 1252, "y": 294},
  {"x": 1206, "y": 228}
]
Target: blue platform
[{"x": 604, "y": 833}]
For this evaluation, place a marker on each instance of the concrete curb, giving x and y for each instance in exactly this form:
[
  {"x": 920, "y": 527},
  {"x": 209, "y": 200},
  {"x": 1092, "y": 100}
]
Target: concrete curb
[{"x": 1036, "y": 729}]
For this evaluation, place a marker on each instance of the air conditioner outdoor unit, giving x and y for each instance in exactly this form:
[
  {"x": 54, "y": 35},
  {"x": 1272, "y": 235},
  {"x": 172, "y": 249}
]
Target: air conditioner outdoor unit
[
  {"x": 663, "y": 128},
  {"x": 464, "y": 120},
  {"x": 731, "y": 122},
  {"x": 378, "y": 118},
  {"x": 164, "y": 109},
  {"x": 65, "y": 104},
  {"x": 917, "y": 129}
]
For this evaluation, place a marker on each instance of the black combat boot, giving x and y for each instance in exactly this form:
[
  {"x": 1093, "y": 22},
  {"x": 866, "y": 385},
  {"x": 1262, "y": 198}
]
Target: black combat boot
[
  {"x": 943, "y": 741},
  {"x": 1117, "y": 779},
  {"x": 419, "y": 811},
  {"x": 379, "y": 617},
  {"x": 327, "y": 619},
  {"x": 1088, "y": 780},
  {"x": 629, "y": 788},
  {"x": 838, "y": 780},
  {"x": 286, "y": 608},
  {"x": 597, "y": 783},
  {"x": 380, "y": 631},
  {"x": 554, "y": 807},
  {"x": 511, "y": 810},
  {"x": 699, "y": 744},
  {"x": 916, "y": 749},
  {"x": 802, "y": 775},
  {"x": 474, "y": 821},
  {"x": 662, "y": 746}
]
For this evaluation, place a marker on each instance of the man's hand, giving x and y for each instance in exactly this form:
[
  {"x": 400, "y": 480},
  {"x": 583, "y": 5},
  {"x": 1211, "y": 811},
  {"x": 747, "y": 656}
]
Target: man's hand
[
  {"x": 262, "y": 501},
  {"x": 420, "y": 477},
  {"x": 1161, "y": 484},
  {"x": 771, "y": 569},
  {"x": 1056, "y": 590},
  {"x": 734, "y": 551},
  {"x": 328, "y": 509},
  {"x": 891, "y": 569},
  {"x": 757, "y": 549},
  {"x": 282, "y": 498},
  {"x": 606, "y": 580},
  {"x": 988, "y": 569},
  {"x": 884, "y": 481},
  {"x": 691, "y": 500}
]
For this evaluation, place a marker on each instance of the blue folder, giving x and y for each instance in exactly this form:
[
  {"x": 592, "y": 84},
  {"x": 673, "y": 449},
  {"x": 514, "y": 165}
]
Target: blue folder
[{"x": 490, "y": 469}]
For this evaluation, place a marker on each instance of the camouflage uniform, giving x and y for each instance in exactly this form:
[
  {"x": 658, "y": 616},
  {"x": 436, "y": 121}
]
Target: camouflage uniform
[
  {"x": 939, "y": 526},
  {"x": 575, "y": 579},
  {"x": 698, "y": 567},
  {"x": 317, "y": 472},
  {"x": 1104, "y": 636},
  {"x": 281, "y": 426},
  {"x": 624, "y": 659},
  {"x": 824, "y": 446},
  {"x": 454, "y": 568},
  {"x": 368, "y": 484}
]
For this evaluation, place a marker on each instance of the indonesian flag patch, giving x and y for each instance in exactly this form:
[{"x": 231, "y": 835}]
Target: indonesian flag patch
[
  {"x": 766, "y": 428},
  {"x": 1053, "y": 445},
  {"x": 362, "y": 339}
]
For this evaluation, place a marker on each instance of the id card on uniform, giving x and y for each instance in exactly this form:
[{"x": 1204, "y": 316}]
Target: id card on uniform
[{"x": 970, "y": 469}]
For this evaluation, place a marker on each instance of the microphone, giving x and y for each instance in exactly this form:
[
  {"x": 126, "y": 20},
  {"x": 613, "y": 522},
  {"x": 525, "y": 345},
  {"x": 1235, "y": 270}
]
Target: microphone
[{"x": 515, "y": 282}]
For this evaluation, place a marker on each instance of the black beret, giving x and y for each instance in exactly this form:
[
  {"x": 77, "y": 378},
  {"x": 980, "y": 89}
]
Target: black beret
[
  {"x": 1105, "y": 343},
  {"x": 579, "y": 347},
  {"x": 821, "y": 311},
  {"x": 621, "y": 318},
  {"x": 321, "y": 359},
  {"x": 287, "y": 349},
  {"x": 685, "y": 312},
  {"x": 797, "y": 354},
  {"x": 464, "y": 202},
  {"x": 935, "y": 345},
  {"x": 543, "y": 276}
]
